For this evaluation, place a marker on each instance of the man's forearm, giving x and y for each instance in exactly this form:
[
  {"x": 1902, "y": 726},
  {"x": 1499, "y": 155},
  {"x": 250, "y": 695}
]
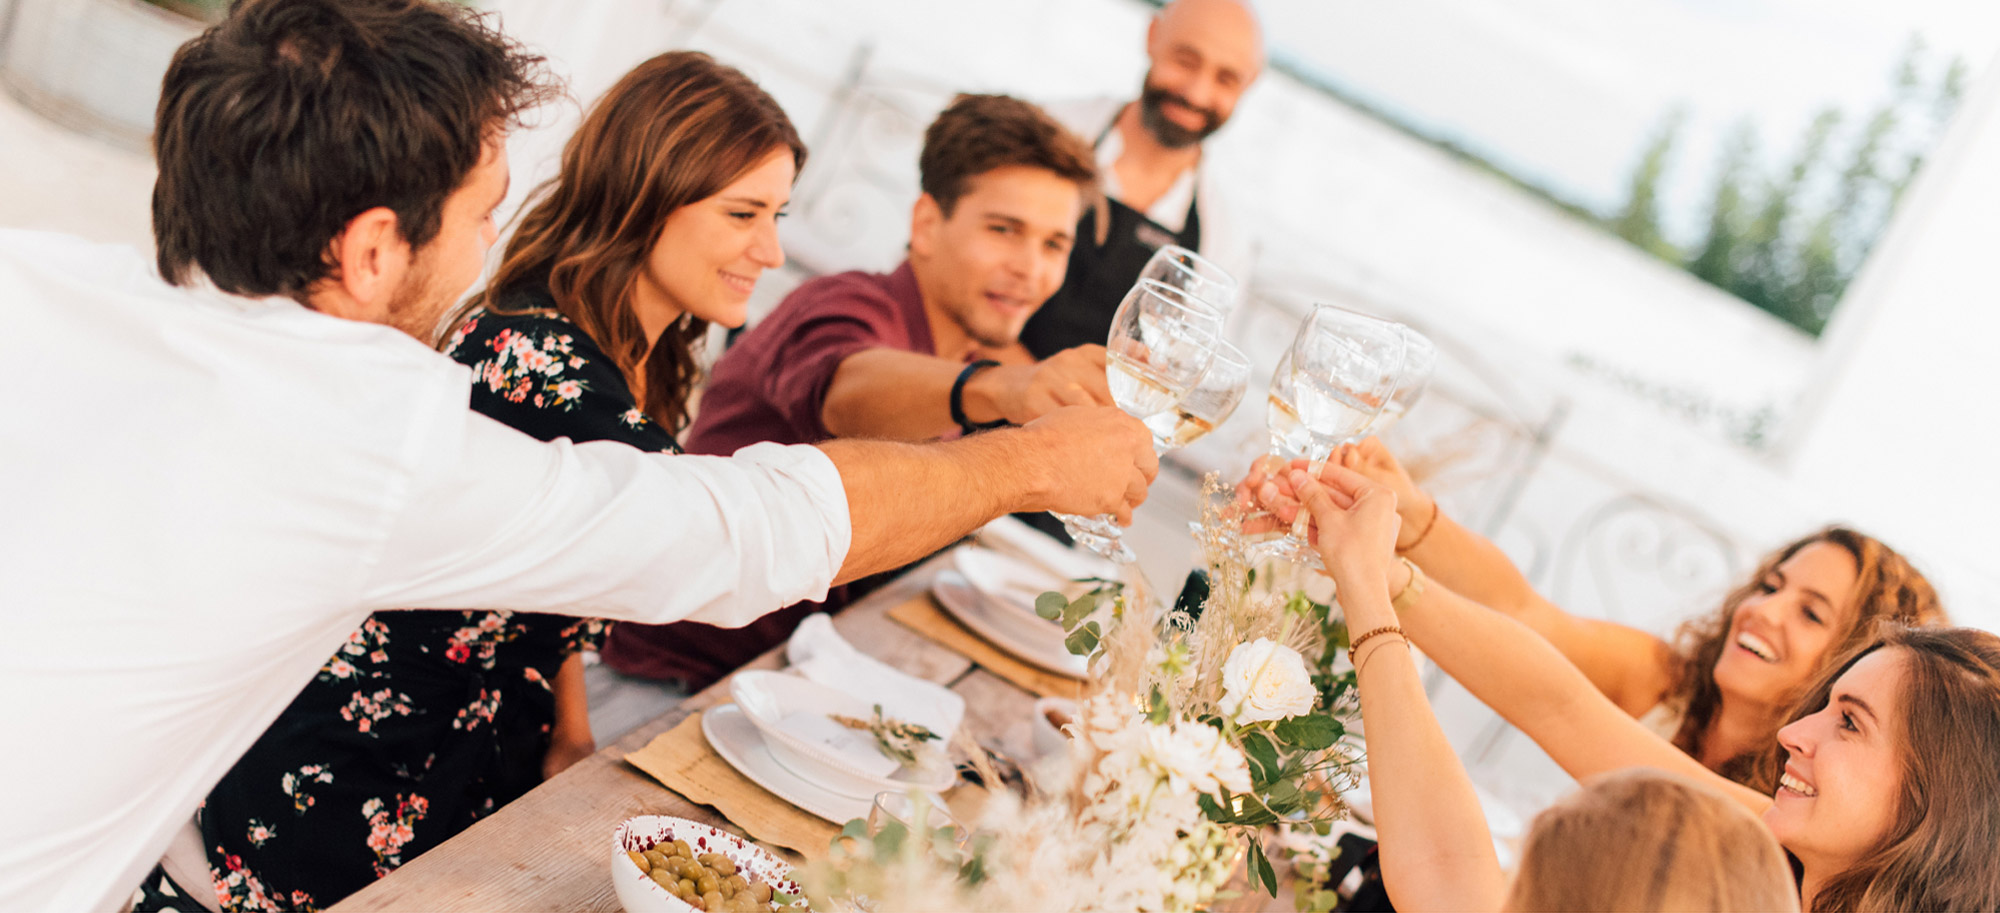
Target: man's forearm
[
  {"x": 890, "y": 394},
  {"x": 906, "y": 501}
]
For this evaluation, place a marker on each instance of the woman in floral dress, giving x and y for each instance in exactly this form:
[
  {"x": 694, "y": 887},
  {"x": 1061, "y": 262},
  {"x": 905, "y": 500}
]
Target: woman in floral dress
[{"x": 659, "y": 223}]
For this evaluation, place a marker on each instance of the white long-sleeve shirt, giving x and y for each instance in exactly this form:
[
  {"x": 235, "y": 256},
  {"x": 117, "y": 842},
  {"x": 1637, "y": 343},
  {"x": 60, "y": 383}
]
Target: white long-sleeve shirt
[{"x": 201, "y": 496}]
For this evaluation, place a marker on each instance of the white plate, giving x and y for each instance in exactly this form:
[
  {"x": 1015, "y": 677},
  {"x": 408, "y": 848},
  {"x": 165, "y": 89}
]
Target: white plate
[
  {"x": 791, "y": 713},
  {"x": 737, "y": 740},
  {"x": 1032, "y": 639}
]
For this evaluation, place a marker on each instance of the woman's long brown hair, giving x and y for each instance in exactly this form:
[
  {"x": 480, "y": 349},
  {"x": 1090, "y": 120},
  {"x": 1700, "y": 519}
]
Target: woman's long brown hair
[
  {"x": 1940, "y": 852},
  {"x": 1886, "y": 586},
  {"x": 675, "y": 130}
]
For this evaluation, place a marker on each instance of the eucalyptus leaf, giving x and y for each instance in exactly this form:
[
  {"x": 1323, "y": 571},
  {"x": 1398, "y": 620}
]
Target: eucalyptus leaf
[
  {"x": 1082, "y": 641},
  {"x": 856, "y": 828},
  {"x": 889, "y": 840},
  {"x": 1078, "y": 610},
  {"x": 1050, "y": 605}
]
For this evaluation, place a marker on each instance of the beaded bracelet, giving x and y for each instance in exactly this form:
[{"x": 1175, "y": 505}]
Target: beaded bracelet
[{"x": 1354, "y": 646}]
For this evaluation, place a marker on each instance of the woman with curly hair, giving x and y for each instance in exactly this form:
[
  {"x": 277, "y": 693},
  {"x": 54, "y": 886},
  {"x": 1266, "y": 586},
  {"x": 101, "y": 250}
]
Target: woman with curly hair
[
  {"x": 1722, "y": 689},
  {"x": 1887, "y": 796}
]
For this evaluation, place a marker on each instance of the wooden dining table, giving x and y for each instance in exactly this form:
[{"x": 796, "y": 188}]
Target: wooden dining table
[{"x": 550, "y": 849}]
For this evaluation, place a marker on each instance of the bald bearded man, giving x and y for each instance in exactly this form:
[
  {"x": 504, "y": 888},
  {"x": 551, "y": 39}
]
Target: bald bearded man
[{"x": 1158, "y": 188}]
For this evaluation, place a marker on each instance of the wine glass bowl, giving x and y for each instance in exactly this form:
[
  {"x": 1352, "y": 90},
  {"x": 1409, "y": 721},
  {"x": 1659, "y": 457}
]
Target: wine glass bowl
[
  {"x": 1207, "y": 405},
  {"x": 1189, "y": 272},
  {"x": 1162, "y": 342}
]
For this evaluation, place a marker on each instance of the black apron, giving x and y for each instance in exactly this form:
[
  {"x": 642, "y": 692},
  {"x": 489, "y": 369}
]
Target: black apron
[{"x": 1100, "y": 274}]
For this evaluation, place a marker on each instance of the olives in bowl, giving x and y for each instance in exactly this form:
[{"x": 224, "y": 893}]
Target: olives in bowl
[{"x": 662, "y": 864}]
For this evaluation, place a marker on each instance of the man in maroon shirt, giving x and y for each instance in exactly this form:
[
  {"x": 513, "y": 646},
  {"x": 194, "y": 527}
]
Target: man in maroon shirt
[{"x": 909, "y": 355}]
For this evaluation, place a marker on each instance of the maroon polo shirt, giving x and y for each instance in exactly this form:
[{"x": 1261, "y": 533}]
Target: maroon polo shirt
[{"x": 771, "y": 386}]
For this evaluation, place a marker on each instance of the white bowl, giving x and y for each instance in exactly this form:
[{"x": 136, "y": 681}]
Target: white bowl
[
  {"x": 768, "y": 698},
  {"x": 1048, "y": 739},
  {"x": 638, "y": 893}
]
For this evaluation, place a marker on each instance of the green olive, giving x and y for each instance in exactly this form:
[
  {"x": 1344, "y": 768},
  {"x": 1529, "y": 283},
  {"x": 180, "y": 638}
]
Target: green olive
[
  {"x": 661, "y": 878},
  {"x": 761, "y": 892},
  {"x": 639, "y": 859},
  {"x": 687, "y": 887},
  {"x": 708, "y": 884},
  {"x": 681, "y": 847},
  {"x": 735, "y": 884},
  {"x": 711, "y": 900}
]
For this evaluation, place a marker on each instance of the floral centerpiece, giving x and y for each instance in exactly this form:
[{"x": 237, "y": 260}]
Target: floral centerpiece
[{"x": 1204, "y": 731}]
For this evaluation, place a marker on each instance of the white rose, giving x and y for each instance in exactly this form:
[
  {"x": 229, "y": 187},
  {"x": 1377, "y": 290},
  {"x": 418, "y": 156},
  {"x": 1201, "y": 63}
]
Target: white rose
[
  {"x": 1265, "y": 680},
  {"x": 1195, "y": 756}
]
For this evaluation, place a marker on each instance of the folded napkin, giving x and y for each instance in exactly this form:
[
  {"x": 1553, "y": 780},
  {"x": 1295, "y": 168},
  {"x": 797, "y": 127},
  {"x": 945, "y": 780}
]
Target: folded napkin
[
  {"x": 818, "y": 653},
  {"x": 682, "y": 761},
  {"x": 1013, "y": 537}
]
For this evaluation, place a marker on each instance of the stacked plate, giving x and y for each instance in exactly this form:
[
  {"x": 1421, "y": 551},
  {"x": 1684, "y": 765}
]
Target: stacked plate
[
  {"x": 992, "y": 591},
  {"x": 781, "y": 733}
]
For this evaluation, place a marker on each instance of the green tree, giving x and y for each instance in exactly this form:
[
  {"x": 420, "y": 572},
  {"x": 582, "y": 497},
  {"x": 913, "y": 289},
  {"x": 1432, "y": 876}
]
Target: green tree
[
  {"x": 1767, "y": 252},
  {"x": 1716, "y": 260},
  {"x": 1639, "y": 221}
]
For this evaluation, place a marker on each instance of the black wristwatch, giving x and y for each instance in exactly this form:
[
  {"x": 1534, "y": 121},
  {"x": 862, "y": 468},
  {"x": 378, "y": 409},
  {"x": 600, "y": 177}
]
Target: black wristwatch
[{"x": 965, "y": 425}]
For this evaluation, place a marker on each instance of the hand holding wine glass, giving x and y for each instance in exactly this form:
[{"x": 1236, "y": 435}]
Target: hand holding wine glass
[{"x": 1162, "y": 342}]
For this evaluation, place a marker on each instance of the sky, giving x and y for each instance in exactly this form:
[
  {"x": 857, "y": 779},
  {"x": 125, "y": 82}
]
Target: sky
[{"x": 1568, "y": 92}]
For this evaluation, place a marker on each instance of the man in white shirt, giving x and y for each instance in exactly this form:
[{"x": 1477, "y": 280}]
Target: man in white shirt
[
  {"x": 207, "y": 491},
  {"x": 1157, "y": 188}
]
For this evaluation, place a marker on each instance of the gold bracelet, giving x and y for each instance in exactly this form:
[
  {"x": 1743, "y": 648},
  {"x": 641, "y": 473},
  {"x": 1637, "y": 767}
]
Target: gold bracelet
[
  {"x": 1432, "y": 524},
  {"x": 1354, "y": 646},
  {"x": 1412, "y": 591}
]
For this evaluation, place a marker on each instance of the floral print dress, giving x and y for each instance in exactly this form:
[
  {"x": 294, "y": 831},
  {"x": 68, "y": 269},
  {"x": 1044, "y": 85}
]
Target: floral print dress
[{"x": 423, "y": 722}]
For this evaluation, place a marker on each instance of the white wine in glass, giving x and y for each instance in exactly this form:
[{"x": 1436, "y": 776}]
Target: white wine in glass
[
  {"x": 1204, "y": 408},
  {"x": 1162, "y": 342}
]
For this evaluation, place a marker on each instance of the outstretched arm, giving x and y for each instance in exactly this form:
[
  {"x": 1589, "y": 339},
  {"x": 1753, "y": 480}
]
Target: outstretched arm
[
  {"x": 1628, "y": 665},
  {"x": 1437, "y": 853},
  {"x": 906, "y": 396},
  {"x": 906, "y": 501},
  {"x": 1527, "y": 681}
]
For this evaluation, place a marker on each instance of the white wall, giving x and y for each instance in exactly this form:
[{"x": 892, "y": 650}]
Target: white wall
[{"x": 1902, "y": 434}]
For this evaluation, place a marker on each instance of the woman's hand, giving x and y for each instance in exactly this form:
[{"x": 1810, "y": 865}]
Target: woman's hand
[
  {"x": 1354, "y": 521},
  {"x": 1372, "y": 458}
]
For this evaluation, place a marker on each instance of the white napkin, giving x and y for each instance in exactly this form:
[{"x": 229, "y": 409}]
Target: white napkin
[
  {"x": 819, "y": 654},
  {"x": 1030, "y": 544}
]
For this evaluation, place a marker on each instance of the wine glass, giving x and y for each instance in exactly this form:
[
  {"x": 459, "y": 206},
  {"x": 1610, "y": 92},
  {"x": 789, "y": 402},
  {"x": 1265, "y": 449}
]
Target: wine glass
[
  {"x": 1419, "y": 360},
  {"x": 1162, "y": 341},
  {"x": 1190, "y": 272},
  {"x": 1205, "y": 407},
  {"x": 1340, "y": 372}
]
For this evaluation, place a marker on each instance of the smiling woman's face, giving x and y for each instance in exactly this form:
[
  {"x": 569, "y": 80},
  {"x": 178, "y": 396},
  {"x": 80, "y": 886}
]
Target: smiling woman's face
[
  {"x": 1843, "y": 767},
  {"x": 711, "y": 252},
  {"x": 1779, "y": 636}
]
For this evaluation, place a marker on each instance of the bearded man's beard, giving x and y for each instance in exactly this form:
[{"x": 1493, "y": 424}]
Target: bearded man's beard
[
  {"x": 418, "y": 307},
  {"x": 1153, "y": 117}
]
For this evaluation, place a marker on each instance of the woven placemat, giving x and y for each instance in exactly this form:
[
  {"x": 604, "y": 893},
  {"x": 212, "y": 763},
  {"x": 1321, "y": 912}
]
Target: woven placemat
[{"x": 682, "y": 761}]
